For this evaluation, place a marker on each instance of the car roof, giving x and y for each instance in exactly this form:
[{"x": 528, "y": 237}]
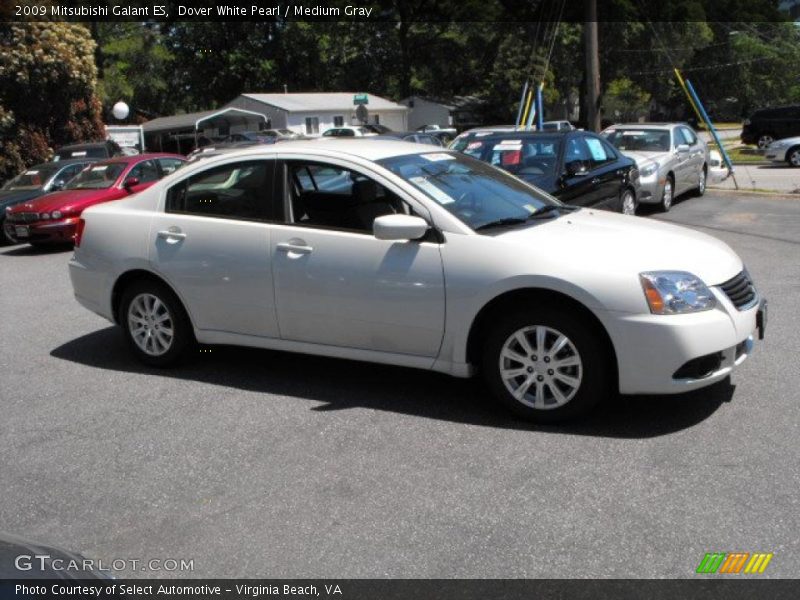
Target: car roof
[
  {"x": 648, "y": 125},
  {"x": 367, "y": 148},
  {"x": 82, "y": 145},
  {"x": 136, "y": 158}
]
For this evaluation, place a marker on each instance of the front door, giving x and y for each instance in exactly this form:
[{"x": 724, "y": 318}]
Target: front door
[
  {"x": 212, "y": 243},
  {"x": 335, "y": 283}
]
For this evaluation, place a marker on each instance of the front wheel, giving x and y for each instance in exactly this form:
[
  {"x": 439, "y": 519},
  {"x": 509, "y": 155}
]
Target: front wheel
[
  {"x": 627, "y": 202},
  {"x": 667, "y": 195},
  {"x": 764, "y": 140},
  {"x": 546, "y": 365},
  {"x": 793, "y": 157},
  {"x": 156, "y": 326},
  {"x": 700, "y": 190}
]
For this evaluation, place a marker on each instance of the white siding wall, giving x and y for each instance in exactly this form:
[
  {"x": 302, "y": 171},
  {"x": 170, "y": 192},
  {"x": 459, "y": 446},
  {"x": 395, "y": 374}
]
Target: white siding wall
[{"x": 394, "y": 120}]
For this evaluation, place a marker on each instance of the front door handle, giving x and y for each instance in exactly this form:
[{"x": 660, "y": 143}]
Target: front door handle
[
  {"x": 173, "y": 234},
  {"x": 293, "y": 247}
]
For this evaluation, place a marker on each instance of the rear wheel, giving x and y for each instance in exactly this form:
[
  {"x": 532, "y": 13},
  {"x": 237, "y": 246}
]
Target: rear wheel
[
  {"x": 700, "y": 190},
  {"x": 764, "y": 140},
  {"x": 668, "y": 194},
  {"x": 546, "y": 364},
  {"x": 793, "y": 157},
  {"x": 156, "y": 326},
  {"x": 627, "y": 202}
]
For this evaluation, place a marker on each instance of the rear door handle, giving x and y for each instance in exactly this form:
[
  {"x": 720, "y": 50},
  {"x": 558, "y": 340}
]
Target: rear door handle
[
  {"x": 173, "y": 233},
  {"x": 288, "y": 247}
]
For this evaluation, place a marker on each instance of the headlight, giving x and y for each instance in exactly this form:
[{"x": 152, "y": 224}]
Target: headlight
[
  {"x": 648, "y": 170},
  {"x": 44, "y": 216},
  {"x": 56, "y": 214},
  {"x": 675, "y": 292}
]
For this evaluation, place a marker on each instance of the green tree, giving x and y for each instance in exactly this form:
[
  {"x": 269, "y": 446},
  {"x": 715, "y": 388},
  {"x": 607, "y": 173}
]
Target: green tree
[
  {"x": 48, "y": 98},
  {"x": 625, "y": 101}
]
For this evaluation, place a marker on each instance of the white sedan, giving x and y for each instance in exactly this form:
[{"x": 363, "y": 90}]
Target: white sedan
[
  {"x": 786, "y": 151},
  {"x": 401, "y": 254}
]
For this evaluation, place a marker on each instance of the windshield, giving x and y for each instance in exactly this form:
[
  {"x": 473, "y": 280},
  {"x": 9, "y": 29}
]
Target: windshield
[
  {"x": 86, "y": 152},
  {"x": 96, "y": 177},
  {"x": 639, "y": 140},
  {"x": 32, "y": 179},
  {"x": 473, "y": 191}
]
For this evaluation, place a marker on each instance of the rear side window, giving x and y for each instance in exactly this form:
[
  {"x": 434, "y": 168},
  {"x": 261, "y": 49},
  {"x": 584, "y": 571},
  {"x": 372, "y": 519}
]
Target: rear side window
[
  {"x": 242, "y": 190},
  {"x": 145, "y": 172},
  {"x": 169, "y": 165}
]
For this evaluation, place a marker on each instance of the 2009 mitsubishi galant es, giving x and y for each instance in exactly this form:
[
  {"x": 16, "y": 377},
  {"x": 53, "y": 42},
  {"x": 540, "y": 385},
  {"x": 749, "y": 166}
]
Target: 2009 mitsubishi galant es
[{"x": 396, "y": 253}]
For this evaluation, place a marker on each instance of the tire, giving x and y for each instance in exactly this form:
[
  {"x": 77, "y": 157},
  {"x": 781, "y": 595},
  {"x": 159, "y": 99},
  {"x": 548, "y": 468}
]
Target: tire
[
  {"x": 5, "y": 239},
  {"x": 585, "y": 358},
  {"x": 764, "y": 140},
  {"x": 668, "y": 194},
  {"x": 627, "y": 202},
  {"x": 700, "y": 190},
  {"x": 793, "y": 157},
  {"x": 156, "y": 308}
]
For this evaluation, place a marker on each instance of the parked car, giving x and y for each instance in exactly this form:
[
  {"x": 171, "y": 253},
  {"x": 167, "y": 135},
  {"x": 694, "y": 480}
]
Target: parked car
[
  {"x": 52, "y": 218},
  {"x": 36, "y": 181},
  {"x": 411, "y": 136},
  {"x": 460, "y": 142},
  {"x": 286, "y": 134},
  {"x": 424, "y": 258},
  {"x": 376, "y": 128},
  {"x": 769, "y": 124},
  {"x": 355, "y": 131},
  {"x": 577, "y": 167},
  {"x": 444, "y": 134},
  {"x": 557, "y": 126},
  {"x": 96, "y": 150},
  {"x": 671, "y": 158},
  {"x": 786, "y": 150}
]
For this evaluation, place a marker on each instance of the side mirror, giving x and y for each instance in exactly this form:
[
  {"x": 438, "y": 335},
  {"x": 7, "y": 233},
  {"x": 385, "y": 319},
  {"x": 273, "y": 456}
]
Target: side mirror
[
  {"x": 130, "y": 182},
  {"x": 575, "y": 167},
  {"x": 399, "y": 227},
  {"x": 57, "y": 185},
  {"x": 682, "y": 148}
]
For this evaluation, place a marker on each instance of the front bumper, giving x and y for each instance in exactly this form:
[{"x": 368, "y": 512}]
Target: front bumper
[
  {"x": 667, "y": 354},
  {"x": 60, "y": 231},
  {"x": 776, "y": 154},
  {"x": 651, "y": 189}
]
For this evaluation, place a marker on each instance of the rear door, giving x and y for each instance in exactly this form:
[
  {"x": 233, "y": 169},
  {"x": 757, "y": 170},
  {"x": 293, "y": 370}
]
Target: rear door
[
  {"x": 696, "y": 158},
  {"x": 211, "y": 243}
]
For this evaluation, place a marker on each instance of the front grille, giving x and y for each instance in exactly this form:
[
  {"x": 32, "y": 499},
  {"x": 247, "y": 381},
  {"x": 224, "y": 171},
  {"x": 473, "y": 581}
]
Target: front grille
[
  {"x": 740, "y": 291},
  {"x": 23, "y": 217}
]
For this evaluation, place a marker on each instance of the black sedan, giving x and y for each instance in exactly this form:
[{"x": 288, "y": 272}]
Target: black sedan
[
  {"x": 37, "y": 181},
  {"x": 577, "y": 167}
]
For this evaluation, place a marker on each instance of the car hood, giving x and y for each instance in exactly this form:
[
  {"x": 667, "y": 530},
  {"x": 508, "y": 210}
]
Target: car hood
[
  {"x": 645, "y": 158},
  {"x": 12, "y": 197},
  {"x": 66, "y": 199},
  {"x": 610, "y": 242},
  {"x": 790, "y": 141}
]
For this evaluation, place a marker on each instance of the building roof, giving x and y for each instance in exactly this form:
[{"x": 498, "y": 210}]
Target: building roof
[
  {"x": 208, "y": 117},
  {"x": 323, "y": 101}
]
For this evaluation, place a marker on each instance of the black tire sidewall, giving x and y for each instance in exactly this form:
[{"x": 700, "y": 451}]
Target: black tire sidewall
[
  {"x": 622, "y": 200},
  {"x": 595, "y": 384},
  {"x": 183, "y": 334},
  {"x": 662, "y": 206}
]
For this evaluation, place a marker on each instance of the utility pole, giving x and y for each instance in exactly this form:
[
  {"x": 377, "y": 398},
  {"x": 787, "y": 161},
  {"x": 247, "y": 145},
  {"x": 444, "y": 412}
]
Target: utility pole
[{"x": 592, "y": 66}]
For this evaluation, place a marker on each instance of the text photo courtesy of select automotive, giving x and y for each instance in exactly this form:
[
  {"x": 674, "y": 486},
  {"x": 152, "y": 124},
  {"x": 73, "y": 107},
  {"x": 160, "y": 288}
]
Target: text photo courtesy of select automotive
[{"x": 401, "y": 295}]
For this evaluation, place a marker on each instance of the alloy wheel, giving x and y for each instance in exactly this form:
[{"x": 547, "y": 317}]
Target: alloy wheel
[
  {"x": 666, "y": 200},
  {"x": 701, "y": 185},
  {"x": 794, "y": 158},
  {"x": 150, "y": 324},
  {"x": 628, "y": 203},
  {"x": 541, "y": 367},
  {"x": 764, "y": 141}
]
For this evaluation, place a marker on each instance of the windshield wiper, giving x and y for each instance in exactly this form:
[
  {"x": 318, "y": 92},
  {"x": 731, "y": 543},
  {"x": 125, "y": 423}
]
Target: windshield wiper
[
  {"x": 550, "y": 209},
  {"x": 501, "y": 223}
]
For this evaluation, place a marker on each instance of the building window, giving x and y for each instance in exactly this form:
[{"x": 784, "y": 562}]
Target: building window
[
  {"x": 338, "y": 121},
  {"x": 312, "y": 125},
  {"x": 376, "y": 119}
]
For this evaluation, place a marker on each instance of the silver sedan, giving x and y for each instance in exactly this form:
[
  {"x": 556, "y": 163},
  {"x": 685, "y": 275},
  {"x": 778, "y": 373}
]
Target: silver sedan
[
  {"x": 672, "y": 159},
  {"x": 786, "y": 150}
]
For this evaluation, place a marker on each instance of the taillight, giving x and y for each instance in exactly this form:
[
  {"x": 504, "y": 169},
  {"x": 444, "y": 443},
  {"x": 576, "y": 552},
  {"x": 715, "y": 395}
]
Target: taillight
[{"x": 79, "y": 232}]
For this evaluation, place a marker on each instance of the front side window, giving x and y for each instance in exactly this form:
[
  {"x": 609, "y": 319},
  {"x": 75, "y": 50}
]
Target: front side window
[
  {"x": 169, "y": 165},
  {"x": 327, "y": 196},
  {"x": 598, "y": 152},
  {"x": 688, "y": 136},
  {"x": 242, "y": 190},
  {"x": 97, "y": 177},
  {"x": 312, "y": 125},
  {"x": 475, "y": 192},
  {"x": 145, "y": 171}
]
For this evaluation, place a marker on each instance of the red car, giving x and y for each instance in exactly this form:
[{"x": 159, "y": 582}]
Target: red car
[{"x": 51, "y": 219}]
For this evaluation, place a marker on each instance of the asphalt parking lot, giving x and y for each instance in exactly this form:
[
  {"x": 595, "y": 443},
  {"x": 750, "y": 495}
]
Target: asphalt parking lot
[{"x": 262, "y": 464}]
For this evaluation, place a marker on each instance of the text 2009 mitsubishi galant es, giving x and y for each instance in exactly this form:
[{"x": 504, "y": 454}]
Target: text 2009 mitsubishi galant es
[{"x": 389, "y": 252}]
